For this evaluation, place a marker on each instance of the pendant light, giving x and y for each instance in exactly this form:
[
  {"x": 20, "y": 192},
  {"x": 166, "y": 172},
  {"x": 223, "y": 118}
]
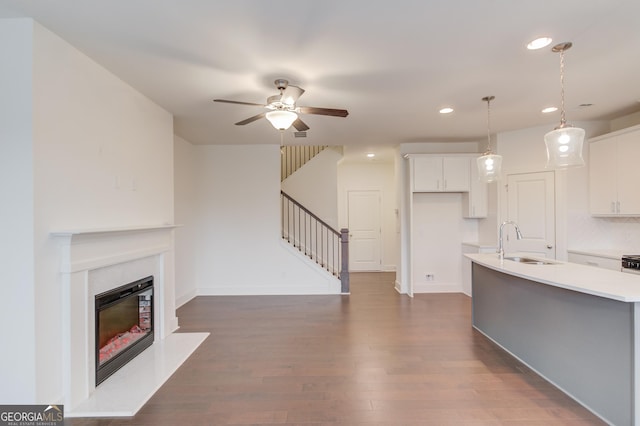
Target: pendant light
[
  {"x": 281, "y": 119},
  {"x": 564, "y": 143},
  {"x": 489, "y": 164}
]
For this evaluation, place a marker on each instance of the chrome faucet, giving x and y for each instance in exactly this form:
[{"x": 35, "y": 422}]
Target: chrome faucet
[{"x": 500, "y": 244}]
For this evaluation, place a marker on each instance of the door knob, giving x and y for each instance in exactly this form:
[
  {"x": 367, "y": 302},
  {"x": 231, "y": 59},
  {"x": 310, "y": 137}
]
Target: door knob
[{"x": 549, "y": 246}]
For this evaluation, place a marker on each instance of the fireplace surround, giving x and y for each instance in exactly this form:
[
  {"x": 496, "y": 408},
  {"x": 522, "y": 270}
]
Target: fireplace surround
[{"x": 96, "y": 261}]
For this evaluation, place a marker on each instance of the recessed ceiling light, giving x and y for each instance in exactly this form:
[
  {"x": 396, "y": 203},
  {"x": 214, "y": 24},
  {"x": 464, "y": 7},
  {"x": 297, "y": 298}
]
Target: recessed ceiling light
[
  {"x": 371, "y": 155},
  {"x": 547, "y": 110},
  {"x": 539, "y": 43},
  {"x": 446, "y": 110}
]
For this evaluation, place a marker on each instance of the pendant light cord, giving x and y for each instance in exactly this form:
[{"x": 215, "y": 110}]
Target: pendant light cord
[
  {"x": 562, "y": 116},
  {"x": 489, "y": 124},
  {"x": 488, "y": 99},
  {"x": 560, "y": 48}
]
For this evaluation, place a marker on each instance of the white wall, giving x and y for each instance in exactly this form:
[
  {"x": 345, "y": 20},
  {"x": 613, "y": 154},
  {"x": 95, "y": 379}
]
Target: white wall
[
  {"x": 373, "y": 175},
  {"x": 624, "y": 122},
  {"x": 102, "y": 157},
  {"x": 440, "y": 147},
  {"x": 239, "y": 248},
  {"x": 524, "y": 151},
  {"x": 186, "y": 236},
  {"x": 315, "y": 186},
  {"x": 438, "y": 232},
  {"x": 17, "y": 357}
]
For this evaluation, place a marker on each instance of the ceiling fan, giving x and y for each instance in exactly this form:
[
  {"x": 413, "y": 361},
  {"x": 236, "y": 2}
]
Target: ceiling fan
[{"x": 283, "y": 112}]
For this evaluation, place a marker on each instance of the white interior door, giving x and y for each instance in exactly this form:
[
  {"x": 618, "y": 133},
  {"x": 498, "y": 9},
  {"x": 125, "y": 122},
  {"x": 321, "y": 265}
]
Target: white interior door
[
  {"x": 364, "y": 230},
  {"x": 531, "y": 204}
]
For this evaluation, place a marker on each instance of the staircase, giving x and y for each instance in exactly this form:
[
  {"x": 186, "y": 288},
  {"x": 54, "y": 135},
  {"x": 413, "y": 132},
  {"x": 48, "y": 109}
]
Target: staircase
[
  {"x": 304, "y": 230},
  {"x": 316, "y": 240}
]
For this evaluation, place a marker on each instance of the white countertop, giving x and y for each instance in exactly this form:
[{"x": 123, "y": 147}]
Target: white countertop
[{"x": 571, "y": 276}]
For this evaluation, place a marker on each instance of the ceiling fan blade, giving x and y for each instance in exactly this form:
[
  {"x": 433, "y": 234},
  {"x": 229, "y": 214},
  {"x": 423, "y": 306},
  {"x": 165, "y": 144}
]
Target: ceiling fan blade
[
  {"x": 300, "y": 125},
  {"x": 324, "y": 111},
  {"x": 237, "y": 102},
  {"x": 291, "y": 94},
  {"x": 250, "y": 119}
]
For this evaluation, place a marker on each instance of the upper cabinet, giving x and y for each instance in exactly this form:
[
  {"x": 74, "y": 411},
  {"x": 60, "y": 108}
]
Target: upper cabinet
[
  {"x": 475, "y": 204},
  {"x": 613, "y": 168},
  {"x": 440, "y": 173}
]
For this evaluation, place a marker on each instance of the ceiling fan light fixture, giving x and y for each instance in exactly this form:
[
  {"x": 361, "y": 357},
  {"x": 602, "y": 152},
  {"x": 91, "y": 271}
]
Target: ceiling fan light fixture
[
  {"x": 281, "y": 119},
  {"x": 489, "y": 164},
  {"x": 564, "y": 143}
]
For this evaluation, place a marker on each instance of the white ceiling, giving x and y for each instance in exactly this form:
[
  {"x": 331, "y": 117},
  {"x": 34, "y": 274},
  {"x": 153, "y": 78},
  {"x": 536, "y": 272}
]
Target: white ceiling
[{"x": 393, "y": 65}]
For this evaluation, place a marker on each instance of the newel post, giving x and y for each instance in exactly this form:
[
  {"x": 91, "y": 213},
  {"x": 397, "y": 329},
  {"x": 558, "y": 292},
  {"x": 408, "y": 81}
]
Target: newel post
[{"x": 344, "y": 269}]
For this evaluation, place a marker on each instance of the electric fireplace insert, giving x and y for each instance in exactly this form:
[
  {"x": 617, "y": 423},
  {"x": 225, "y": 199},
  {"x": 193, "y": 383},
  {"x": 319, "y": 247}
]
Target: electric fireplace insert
[{"x": 124, "y": 325}]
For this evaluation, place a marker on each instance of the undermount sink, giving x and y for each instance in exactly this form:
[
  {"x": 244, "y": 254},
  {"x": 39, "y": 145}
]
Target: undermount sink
[{"x": 528, "y": 260}]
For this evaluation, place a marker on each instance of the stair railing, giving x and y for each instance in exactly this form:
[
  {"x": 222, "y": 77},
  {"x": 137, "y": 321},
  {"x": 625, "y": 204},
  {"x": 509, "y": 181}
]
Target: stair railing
[
  {"x": 295, "y": 156},
  {"x": 316, "y": 239}
]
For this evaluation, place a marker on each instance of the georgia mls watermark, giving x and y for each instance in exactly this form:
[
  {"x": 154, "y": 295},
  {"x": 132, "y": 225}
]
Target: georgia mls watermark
[{"x": 31, "y": 415}]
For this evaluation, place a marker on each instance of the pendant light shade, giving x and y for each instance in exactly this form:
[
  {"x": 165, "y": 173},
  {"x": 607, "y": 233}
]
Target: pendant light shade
[
  {"x": 564, "y": 147},
  {"x": 489, "y": 167},
  {"x": 564, "y": 143},
  {"x": 489, "y": 164},
  {"x": 281, "y": 119}
]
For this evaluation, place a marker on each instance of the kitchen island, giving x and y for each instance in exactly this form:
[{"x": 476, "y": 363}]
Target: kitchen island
[{"x": 577, "y": 326}]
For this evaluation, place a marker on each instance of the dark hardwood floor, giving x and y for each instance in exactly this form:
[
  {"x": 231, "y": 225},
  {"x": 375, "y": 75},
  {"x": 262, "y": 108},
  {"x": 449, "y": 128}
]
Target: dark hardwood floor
[{"x": 372, "y": 358}]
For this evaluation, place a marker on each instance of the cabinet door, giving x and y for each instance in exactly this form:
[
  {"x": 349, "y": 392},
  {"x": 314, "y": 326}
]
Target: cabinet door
[
  {"x": 602, "y": 178},
  {"x": 427, "y": 174},
  {"x": 475, "y": 203},
  {"x": 628, "y": 173},
  {"x": 456, "y": 174}
]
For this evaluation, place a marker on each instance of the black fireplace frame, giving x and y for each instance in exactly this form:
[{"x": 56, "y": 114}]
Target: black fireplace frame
[{"x": 110, "y": 298}]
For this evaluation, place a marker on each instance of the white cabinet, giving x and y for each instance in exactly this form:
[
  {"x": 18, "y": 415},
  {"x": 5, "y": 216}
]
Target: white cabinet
[
  {"x": 613, "y": 170},
  {"x": 594, "y": 260},
  {"x": 440, "y": 173},
  {"x": 475, "y": 202}
]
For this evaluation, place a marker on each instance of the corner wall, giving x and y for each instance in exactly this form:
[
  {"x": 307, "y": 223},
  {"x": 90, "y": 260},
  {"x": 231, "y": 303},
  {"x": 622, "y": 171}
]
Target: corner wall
[
  {"x": 18, "y": 355},
  {"x": 87, "y": 151},
  {"x": 186, "y": 235},
  {"x": 239, "y": 249},
  {"x": 315, "y": 186}
]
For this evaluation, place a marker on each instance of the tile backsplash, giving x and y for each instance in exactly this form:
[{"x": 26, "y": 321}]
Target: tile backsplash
[{"x": 587, "y": 232}]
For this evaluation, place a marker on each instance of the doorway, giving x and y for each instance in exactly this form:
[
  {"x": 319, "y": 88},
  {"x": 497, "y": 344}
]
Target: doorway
[
  {"x": 531, "y": 204},
  {"x": 364, "y": 216}
]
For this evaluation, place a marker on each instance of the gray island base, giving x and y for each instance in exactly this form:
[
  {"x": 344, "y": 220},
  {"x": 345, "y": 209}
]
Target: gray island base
[{"x": 584, "y": 344}]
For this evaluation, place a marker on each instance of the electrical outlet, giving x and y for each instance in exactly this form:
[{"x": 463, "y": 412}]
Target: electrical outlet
[{"x": 430, "y": 277}]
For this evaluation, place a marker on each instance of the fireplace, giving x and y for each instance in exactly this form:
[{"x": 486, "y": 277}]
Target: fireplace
[{"x": 123, "y": 325}]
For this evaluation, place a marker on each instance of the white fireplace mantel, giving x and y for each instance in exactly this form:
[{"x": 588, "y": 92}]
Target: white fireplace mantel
[
  {"x": 89, "y": 231},
  {"x": 96, "y": 260},
  {"x": 95, "y": 251}
]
